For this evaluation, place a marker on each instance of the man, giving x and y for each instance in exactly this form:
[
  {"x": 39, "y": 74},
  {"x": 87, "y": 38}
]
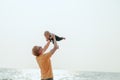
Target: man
[{"x": 43, "y": 59}]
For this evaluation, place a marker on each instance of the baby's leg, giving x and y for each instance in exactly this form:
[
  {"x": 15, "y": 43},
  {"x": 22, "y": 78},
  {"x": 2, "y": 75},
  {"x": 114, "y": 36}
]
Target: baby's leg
[{"x": 59, "y": 38}]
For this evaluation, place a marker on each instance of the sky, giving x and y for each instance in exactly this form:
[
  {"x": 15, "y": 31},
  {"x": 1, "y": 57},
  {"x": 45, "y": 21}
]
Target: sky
[{"x": 91, "y": 28}]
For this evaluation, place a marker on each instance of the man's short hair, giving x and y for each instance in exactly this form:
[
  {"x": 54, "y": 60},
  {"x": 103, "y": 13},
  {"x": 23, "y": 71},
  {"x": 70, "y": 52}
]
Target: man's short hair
[{"x": 35, "y": 51}]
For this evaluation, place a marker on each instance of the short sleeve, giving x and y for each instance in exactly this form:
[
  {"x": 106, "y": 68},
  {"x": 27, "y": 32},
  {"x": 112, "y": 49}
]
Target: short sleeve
[{"x": 48, "y": 55}]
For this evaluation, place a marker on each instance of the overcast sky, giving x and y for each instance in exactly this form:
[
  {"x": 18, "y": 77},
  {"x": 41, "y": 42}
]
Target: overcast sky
[{"x": 91, "y": 28}]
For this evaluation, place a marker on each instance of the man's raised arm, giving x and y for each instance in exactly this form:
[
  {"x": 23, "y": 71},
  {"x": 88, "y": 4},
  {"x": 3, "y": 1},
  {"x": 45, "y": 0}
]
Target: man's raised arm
[
  {"x": 55, "y": 45},
  {"x": 46, "y": 46}
]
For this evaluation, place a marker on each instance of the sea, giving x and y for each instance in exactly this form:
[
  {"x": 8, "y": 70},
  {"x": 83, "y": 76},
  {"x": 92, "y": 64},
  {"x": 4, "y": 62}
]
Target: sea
[{"x": 34, "y": 74}]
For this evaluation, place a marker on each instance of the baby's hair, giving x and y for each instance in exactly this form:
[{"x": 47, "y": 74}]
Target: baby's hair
[{"x": 46, "y": 32}]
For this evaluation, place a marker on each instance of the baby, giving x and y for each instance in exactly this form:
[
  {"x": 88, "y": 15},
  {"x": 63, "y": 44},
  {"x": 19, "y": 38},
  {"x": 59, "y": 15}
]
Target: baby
[{"x": 48, "y": 36}]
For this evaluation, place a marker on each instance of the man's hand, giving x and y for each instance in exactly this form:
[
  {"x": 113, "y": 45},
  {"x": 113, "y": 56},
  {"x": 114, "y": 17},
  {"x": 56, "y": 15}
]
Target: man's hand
[
  {"x": 52, "y": 36},
  {"x": 57, "y": 47}
]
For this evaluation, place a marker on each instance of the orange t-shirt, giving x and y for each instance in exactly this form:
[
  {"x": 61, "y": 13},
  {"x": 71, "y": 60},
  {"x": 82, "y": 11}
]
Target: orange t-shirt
[{"x": 44, "y": 63}]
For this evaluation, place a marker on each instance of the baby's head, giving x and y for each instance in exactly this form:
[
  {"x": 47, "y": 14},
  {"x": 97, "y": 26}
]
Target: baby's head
[{"x": 47, "y": 34}]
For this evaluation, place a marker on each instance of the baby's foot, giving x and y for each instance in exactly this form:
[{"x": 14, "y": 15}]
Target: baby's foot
[{"x": 64, "y": 38}]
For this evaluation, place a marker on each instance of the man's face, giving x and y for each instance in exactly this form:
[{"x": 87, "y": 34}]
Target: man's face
[{"x": 40, "y": 49}]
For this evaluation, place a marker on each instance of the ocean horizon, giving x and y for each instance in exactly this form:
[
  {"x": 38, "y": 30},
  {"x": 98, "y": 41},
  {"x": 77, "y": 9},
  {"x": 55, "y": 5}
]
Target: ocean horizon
[{"x": 34, "y": 74}]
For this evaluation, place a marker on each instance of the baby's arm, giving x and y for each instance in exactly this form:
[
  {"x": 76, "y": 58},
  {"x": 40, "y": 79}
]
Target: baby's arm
[{"x": 46, "y": 39}]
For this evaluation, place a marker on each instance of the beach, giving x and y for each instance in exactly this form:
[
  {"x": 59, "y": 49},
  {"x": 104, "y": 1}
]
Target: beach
[{"x": 34, "y": 74}]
